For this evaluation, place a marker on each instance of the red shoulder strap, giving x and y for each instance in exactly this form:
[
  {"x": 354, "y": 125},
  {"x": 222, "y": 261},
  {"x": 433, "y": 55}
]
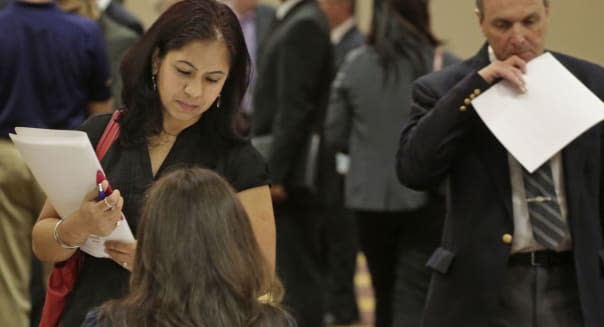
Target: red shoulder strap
[{"x": 112, "y": 131}]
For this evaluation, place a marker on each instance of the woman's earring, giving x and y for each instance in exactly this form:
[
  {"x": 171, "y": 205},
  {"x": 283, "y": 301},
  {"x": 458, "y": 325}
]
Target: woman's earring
[
  {"x": 218, "y": 102},
  {"x": 154, "y": 82}
]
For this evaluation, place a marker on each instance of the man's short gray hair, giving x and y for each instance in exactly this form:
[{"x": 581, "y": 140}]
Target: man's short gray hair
[{"x": 480, "y": 6}]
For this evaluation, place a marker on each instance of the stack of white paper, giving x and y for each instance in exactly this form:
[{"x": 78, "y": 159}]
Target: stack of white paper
[{"x": 65, "y": 165}]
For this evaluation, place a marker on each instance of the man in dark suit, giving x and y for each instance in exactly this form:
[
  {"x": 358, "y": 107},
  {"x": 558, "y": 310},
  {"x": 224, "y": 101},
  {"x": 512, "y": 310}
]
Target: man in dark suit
[
  {"x": 339, "y": 232},
  {"x": 256, "y": 20},
  {"x": 496, "y": 265},
  {"x": 295, "y": 66},
  {"x": 345, "y": 35}
]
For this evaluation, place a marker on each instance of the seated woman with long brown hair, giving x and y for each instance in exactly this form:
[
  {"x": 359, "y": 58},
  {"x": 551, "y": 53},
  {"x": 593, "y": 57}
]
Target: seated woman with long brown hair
[{"x": 197, "y": 261}]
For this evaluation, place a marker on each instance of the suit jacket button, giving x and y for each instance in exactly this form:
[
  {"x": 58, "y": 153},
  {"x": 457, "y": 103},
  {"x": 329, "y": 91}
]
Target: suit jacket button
[
  {"x": 507, "y": 238},
  {"x": 463, "y": 108}
]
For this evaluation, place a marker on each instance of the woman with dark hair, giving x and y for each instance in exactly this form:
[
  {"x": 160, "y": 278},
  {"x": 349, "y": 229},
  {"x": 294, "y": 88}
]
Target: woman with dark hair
[
  {"x": 182, "y": 84},
  {"x": 213, "y": 275},
  {"x": 370, "y": 101}
]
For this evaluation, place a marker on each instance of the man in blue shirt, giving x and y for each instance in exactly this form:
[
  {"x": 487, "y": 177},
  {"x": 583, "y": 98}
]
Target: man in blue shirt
[{"x": 54, "y": 73}]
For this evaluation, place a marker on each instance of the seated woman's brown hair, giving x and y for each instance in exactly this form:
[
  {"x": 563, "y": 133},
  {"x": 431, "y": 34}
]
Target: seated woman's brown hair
[{"x": 197, "y": 262}]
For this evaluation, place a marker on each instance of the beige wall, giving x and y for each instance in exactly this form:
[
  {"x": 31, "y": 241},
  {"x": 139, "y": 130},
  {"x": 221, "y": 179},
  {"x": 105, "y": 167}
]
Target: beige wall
[
  {"x": 575, "y": 28},
  {"x": 575, "y": 25},
  {"x": 144, "y": 9}
]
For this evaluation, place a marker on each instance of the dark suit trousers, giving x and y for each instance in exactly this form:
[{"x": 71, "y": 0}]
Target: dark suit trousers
[
  {"x": 341, "y": 245},
  {"x": 341, "y": 251},
  {"x": 299, "y": 263},
  {"x": 539, "y": 297},
  {"x": 397, "y": 246}
]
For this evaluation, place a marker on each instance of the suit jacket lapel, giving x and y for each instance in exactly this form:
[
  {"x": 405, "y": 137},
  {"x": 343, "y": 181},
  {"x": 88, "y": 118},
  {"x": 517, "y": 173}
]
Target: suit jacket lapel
[
  {"x": 274, "y": 27},
  {"x": 264, "y": 21},
  {"x": 279, "y": 21},
  {"x": 494, "y": 158}
]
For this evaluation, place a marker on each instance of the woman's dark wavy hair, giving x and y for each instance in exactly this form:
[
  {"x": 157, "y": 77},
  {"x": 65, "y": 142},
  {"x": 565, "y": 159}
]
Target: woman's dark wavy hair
[
  {"x": 402, "y": 29},
  {"x": 197, "y": 261},
  {"x": 184, "y": 22}
]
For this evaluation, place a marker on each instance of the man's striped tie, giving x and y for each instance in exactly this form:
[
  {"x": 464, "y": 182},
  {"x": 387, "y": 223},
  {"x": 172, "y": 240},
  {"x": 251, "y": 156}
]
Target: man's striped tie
[{"x": 549, "y": 229}]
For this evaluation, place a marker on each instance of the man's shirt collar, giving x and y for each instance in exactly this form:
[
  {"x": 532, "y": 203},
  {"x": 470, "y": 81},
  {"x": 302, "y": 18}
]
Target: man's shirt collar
[
  {"x": 338, "y": 32},
  {"x": 286, "y": 7}
]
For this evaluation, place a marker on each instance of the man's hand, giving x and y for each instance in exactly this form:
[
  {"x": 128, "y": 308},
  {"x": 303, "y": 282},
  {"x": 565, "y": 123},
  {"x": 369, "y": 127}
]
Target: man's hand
[
  {"x": 510, "y": 70},
  {"x": 278, "y": 193}
]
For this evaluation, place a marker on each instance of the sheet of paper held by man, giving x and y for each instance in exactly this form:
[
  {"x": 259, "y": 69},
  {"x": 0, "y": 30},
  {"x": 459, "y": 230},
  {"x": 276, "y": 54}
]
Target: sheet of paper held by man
[
  {"x": 535, "y": 125},
  {"x": 65, "y": 166}
]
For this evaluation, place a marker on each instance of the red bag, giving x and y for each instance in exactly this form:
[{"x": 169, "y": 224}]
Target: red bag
[{"x": 64, "y": 274}]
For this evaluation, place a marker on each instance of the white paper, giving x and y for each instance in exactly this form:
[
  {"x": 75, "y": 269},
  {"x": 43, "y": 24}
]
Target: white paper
[
  {"x": 65, "y": 166},
  {"x": 535, "y": 125}
]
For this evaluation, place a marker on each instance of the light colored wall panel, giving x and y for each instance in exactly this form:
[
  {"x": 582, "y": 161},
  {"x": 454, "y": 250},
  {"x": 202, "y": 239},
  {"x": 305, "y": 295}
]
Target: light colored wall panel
[
  {"x": 575, "y": 26},
  {"x": 144, "y": 9}
]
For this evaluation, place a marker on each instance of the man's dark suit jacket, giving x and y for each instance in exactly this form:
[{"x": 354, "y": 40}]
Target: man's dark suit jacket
[
  {"x": 118, "y": 38},
  {"x": 119, "y": 14},
  {"x": 265, "y": 16},
  {"x": 295, "y": 68},
  {"x": 350, "y": 41},
  {"x": 442, "y": 141}
]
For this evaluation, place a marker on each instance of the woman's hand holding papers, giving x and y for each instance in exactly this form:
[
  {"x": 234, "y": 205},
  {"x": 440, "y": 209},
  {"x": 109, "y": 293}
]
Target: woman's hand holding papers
[
  {"x": 122, "y": 253},
  {"x": 100, "y": 217}
]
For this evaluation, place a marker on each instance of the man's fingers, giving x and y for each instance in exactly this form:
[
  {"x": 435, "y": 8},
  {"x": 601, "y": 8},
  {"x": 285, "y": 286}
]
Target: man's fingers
[
  {"x": 518, "y": 63},
  {"x": 518, "y": 80}
]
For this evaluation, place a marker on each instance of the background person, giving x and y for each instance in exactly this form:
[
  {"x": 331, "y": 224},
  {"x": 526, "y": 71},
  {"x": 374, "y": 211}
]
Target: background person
[
  {"x": 118, "y": 39},
  {"x": 339, "y": 228},
  {"x": 183, "y": 82},
  {"x": 53, "y": 74},
  {"x": 398, "y": 227},
  {"x": 256, "y": 20},
  {"x": 295, "y": 66},
  {"x": 119, "y": 14}
]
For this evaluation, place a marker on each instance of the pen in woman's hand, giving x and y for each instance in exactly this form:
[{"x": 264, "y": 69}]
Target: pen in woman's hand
[
  {"x": 101, "y": 195},
  {"x": 100, "y": 177}
]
